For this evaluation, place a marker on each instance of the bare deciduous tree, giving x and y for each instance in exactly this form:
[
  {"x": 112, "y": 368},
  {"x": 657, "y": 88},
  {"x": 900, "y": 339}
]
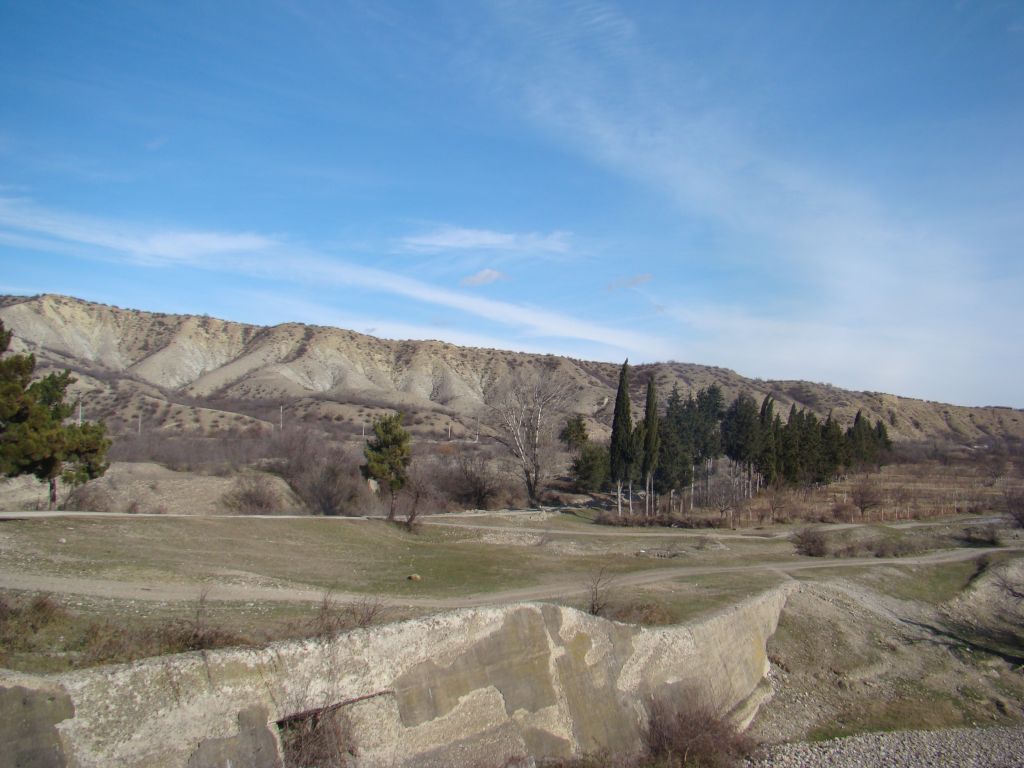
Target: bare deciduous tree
[
  {"x": 479, "y": 482},
  {"x": 599, "y": 588},
  {"x": 526, "y": 410},
  {"x": 866, "y": 495}
]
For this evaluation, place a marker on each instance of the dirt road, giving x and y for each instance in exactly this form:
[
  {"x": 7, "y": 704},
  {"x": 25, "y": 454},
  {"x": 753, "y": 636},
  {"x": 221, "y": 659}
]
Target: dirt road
[{"x": 137, "y": 590}]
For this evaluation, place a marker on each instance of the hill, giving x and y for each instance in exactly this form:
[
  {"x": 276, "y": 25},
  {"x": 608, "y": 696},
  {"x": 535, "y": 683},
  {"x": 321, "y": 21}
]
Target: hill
[{"x": 191, "y": 373}]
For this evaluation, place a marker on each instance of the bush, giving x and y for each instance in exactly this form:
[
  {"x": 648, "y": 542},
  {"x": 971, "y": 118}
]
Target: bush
[
  {"x": 252, "y": 495},
  {"x": 590, "y": 468},
  {"x": 981, "y": 536},
  {"x": 662, "y": 520},
  {"x": 693, "y": 734},
  {"x": 843, "y": 511},
  {"x": 89, "y": 497},
  {"x": 1013, "y": 503},
  {"x": 318, "y": 740},
  {"x": 333, "y": 617},
  {"x": 810, "y": 542}
]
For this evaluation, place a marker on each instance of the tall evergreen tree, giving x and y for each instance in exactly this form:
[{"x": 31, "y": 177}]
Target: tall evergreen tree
[
  {"x": 652, "y": 443},
  {"x": 387, "y": 456},
  {"x": 674, "y": 470},
  {"x": 620, "y": 449},
  {"x": 767, "y": 456},
  {"x": 833, "y": 448},
  {"x": 789, "y": 450},
  {"x": 861, "y": 443}
]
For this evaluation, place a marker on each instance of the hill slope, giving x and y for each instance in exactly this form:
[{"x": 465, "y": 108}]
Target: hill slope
[{"x": 187, "y": 372}]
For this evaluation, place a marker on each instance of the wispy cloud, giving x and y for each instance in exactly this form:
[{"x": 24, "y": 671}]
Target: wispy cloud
[
  {"x": 463, "y": 239},
  {"x": 630, "y": 282},
  {"x": 483, "y": 277},
  {"x": 256, "y": 255},
  {"x": 837, "y": 249},
  {"x": 131, "y": 241}
]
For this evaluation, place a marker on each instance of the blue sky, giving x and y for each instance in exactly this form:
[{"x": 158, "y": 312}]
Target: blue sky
[{"x": 820, "y": 190}]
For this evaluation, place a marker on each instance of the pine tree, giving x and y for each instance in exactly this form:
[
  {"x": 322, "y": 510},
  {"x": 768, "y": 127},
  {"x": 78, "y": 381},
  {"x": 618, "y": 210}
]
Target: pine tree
[
  {"x": 675, "y": 455},
  {"x": 651, "y": 445},
  {"x": 741, "y": 433},
  {"x": 620, "y": 449},
  {"x": 34, "y": 440},
  {"x": 387, "y": 456},
  {"x": 574, "y": 433}
]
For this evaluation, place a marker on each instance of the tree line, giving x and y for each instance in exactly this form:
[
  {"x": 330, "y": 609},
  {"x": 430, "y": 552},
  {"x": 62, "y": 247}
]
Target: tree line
[{"x": 670, "y": 451}]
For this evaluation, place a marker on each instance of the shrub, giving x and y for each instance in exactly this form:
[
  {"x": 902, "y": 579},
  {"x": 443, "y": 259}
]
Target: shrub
[
  {"x": 843, "y": 511},
  {"x": 662, "y": 520},
  {"x": 333, "y": 617},
  {"x": 981, "y": 536},
  {"x": 320, "y": 739},
  {"x": 810, "y": 542},
  {"x": 89, "y": 497},
  {"x": 335, "y": 489},
  {"x": 693, "y": 734},
  {"x": 1013, "y": 503},
  {"x": 252, "y": 495}
]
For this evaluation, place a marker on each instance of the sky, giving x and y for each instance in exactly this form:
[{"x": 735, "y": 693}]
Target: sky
[{"x": 820, "y": 190}]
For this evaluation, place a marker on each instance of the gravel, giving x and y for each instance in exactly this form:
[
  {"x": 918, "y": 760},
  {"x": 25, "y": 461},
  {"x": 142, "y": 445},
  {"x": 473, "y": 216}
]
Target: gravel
[{"x": 954, "y": 748}]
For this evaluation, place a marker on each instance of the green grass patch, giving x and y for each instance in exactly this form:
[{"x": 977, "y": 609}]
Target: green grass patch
[{"x": 917, "y": 708}]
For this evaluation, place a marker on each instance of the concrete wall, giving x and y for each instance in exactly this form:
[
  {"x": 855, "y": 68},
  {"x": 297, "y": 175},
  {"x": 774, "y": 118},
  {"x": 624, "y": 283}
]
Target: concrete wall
[{"x": 477, "y": 687}]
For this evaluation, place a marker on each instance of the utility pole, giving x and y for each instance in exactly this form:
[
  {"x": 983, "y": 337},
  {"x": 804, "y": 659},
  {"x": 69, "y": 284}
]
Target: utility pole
[
  {"x": 140, "y": 423},
  {"x": 79, "y": 413},
  {"x": 281, "y": 420}
]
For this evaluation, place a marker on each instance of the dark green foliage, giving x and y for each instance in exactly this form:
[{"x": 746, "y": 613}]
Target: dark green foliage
[
  {"x": 770, "y": 428},
  {"x": 388, "y": 455},
  {"x": 866, "y": 445},
  {"x": 574, "y": 433},
  {"x": 801, "y": 451},
  {"x": 620, "y": 450},
  {"x": 709, "y": 410},
  {"x": 34, "y": 440},
  {"x": 741, "y": 430},
  {"x": 675, "y": 457},
  {"x": 590, "y": 467},
  {"x": 651, "y": 442}
]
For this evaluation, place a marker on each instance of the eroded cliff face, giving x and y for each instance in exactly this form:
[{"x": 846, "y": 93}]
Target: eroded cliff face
[
  {"x": 180, "y": 371},
  {"x": 477, "y": 687}
]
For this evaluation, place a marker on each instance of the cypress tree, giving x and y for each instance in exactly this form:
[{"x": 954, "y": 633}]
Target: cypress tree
[
  {"x": 620, "y": 448},
  {"x": 652, "y": 443},
  {"x": 789, "y": 450},
  {"x": 767, "y": 456}
]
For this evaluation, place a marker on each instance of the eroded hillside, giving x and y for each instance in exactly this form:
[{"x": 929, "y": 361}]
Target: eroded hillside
[{"x": 198, "y": 373}]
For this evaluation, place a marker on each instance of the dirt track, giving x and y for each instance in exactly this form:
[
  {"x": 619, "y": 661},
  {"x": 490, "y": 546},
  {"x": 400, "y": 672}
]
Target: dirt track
[{"x": 136, "y": 590}]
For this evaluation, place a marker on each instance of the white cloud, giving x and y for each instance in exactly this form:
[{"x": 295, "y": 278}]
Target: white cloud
[
  {"x": 156, "y": 247},
  {"x": 483, "y": 277},
  {"x": 463, "y": 239},
  {"x": 843, "y": 260},
  {"x": 259, "y": 256}
]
